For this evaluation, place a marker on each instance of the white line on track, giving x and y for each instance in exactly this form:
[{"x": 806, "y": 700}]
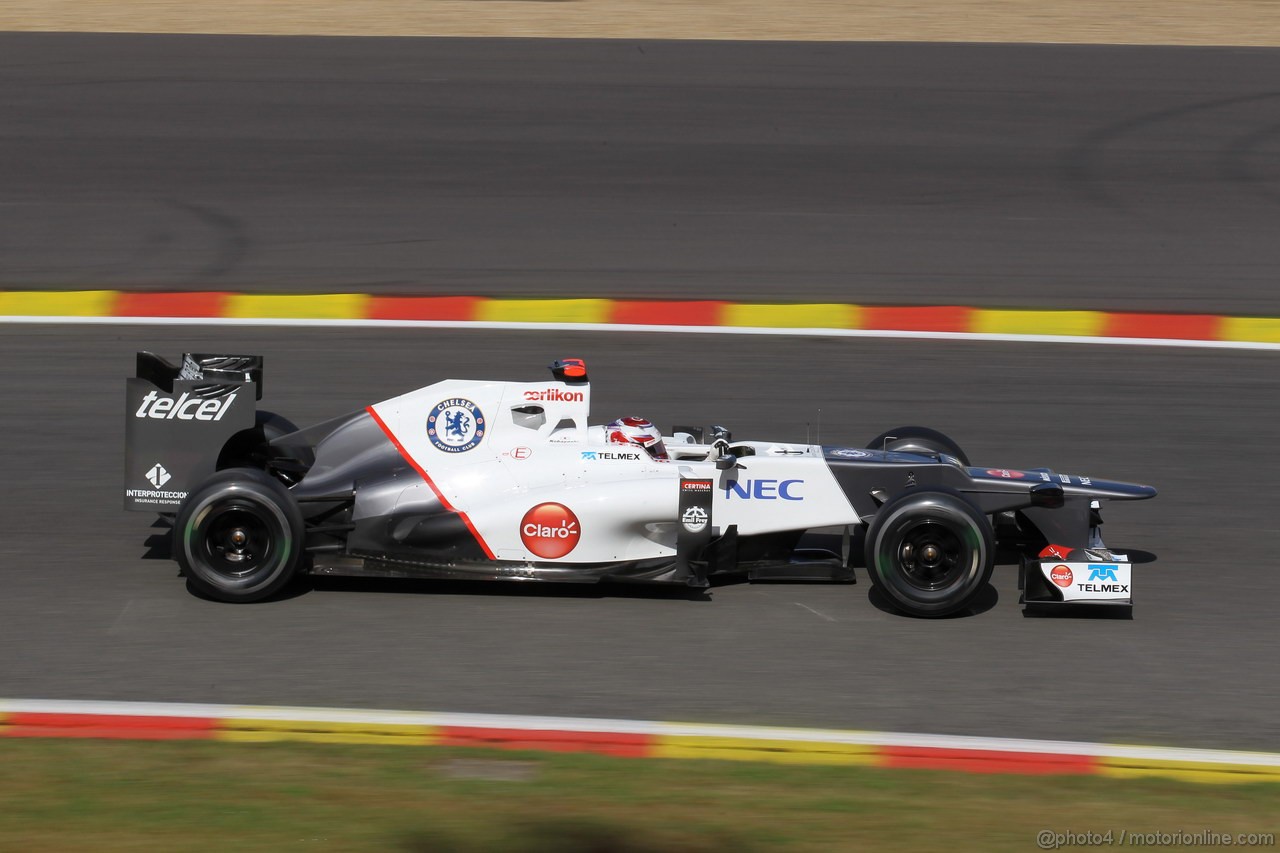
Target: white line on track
[
  {"x": 636, "y": 327},
  {"x": 814, "y": 612}
]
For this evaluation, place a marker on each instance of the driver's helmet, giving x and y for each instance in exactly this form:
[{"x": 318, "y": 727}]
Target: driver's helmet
[{"x": 637, "y": 431}]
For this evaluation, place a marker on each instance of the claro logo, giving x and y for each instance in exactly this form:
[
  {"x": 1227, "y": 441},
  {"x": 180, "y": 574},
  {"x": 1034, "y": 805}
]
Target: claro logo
[
  {"x": 550, "y": 530},
  {"x": 554, "y": 395},
  {"x": 765, "y": 490},
  {"x": 185, "y": 408}
]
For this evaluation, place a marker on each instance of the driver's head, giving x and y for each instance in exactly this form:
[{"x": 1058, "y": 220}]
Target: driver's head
[{"x": 639, "y": 432}]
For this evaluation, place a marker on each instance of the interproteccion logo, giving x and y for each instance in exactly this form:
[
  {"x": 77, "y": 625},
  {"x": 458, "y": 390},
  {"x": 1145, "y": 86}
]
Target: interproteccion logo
[{"x": 157, "y": 476}]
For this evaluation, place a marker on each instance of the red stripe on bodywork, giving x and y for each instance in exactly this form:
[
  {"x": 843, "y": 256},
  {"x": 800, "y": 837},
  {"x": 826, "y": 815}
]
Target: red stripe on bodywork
[
  {"x": 986, "y": 761},
  {"x": 31, "y": 724},
  {"x": 439, "y": 494},
  {"x": 622, "y": 744}
]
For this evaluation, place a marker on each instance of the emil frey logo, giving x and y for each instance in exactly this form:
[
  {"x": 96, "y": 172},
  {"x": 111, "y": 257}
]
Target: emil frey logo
[
  {"x": 455, "y": 425},
  {"x": 550, "y": 530},
  {"x": 765, "y": 490},
  {"x": 694, "y": 519},
  {"x": 157, "y": 476}
]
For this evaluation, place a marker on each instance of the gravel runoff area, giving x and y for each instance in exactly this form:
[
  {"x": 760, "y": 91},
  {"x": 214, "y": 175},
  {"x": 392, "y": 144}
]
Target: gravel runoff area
[{"x": 1187, "y": 22}]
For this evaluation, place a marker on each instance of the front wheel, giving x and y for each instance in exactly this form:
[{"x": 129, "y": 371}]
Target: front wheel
[
  {"x": 930, "y": 551},
  {"x": 918, "y": 439},
  {"x": 238, "y": 537}
]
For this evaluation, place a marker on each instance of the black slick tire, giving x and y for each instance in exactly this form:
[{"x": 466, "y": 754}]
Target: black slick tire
[
  {"x": 930, "y": 551},
  {"x": 238, "y": 537},
  {"x": 918, "y": 439}
]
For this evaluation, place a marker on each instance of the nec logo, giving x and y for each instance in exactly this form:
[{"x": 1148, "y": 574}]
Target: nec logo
[
  {"x": 1103, "y": 573},
  {"x": 765, "y": 490}
]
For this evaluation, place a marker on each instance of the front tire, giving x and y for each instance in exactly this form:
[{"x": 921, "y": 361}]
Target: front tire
[
  {"x": 918, "y": 439},
  {"x": 930, "y": 551},
  {"x": 238, "y": 537}
]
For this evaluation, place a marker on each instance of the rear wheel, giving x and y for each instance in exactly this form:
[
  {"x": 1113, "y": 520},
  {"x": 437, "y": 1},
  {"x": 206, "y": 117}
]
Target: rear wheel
[
  {"x": 238, "y": 537},
  {"x": 917, "y": 439},
  {"x": 930, "y": 551}
]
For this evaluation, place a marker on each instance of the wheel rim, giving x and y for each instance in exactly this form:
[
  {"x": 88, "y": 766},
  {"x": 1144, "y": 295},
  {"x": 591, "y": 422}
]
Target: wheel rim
[
  {"x": 933, "y": 554},
  {"x": 236, "y": 539}
]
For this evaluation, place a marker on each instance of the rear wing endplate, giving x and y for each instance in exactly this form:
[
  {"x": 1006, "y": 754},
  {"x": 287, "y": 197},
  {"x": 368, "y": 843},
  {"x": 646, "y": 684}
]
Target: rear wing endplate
[{"x": 178, "y": 418}]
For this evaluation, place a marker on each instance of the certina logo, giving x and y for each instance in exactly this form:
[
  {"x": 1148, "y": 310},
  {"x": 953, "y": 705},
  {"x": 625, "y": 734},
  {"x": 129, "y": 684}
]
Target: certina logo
[
  {"x": 694, "y": 519},
  {"x": 184, "y": 408},
  {"x": 455, "y": 425},
  {"x": 157, "y": 476},
  {"x": 695, "y": 485},
  {"x": 1061, "y": 575},
  {"x": 554, "y": 395},
  {"x": 611, "y": 454},
  {"x": 765, "y": 490},
  {"x": 550, "y": 530}
]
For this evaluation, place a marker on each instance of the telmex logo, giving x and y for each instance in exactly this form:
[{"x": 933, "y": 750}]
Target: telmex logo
[
  {"x": 1103, "y": 573},
  {"x": 765, "y": 490},
  {"x": 554, "y": 395},
  {"x": 184, "y": 409},
  {"x": 608, "y": 454},
  {"x": 550, "y": 530}
]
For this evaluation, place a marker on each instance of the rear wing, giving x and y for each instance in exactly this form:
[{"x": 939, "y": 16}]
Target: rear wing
[{"x": 178, "y": 418}]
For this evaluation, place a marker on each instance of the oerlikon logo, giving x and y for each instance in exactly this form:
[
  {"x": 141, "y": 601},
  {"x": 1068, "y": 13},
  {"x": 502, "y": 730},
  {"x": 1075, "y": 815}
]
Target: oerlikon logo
[{"x": 550, "y": 530}]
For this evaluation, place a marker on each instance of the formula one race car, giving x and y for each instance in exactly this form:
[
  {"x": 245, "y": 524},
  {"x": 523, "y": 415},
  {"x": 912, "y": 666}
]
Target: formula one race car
[{"x": 508, "y": 481}]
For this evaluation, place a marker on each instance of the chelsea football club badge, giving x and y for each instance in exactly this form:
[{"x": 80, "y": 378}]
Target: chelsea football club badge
[{"x": 455, "y": 425}]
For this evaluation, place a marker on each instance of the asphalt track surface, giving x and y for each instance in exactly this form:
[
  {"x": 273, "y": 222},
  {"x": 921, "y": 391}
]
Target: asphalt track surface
[
  {"x": 980, "y": 175},
  {"x": 86, "y": 615},
  {"x": 1067, "y": 177}
]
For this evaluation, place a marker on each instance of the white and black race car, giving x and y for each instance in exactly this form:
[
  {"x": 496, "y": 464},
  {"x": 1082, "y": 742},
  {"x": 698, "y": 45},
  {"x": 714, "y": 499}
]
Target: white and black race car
[{"x": 509, "y": 481}]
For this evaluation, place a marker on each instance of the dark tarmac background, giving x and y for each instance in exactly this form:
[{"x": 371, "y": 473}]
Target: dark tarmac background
[{"x": 1057, "y": 177}]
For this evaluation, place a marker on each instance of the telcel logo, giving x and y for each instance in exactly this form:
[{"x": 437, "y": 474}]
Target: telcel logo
[
  {"x": 184, "y": 409},
  {"x": 765, "y": 490},
  {"x": 550, "y": 530}
]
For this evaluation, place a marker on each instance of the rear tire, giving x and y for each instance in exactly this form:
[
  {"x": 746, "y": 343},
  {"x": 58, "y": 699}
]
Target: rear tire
[
  {"x": 251, "y": 448},
  {"x": 918, "y": 439},
  {"x": 238, "y": 537},
  {"x": 930, "y": 551}
]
